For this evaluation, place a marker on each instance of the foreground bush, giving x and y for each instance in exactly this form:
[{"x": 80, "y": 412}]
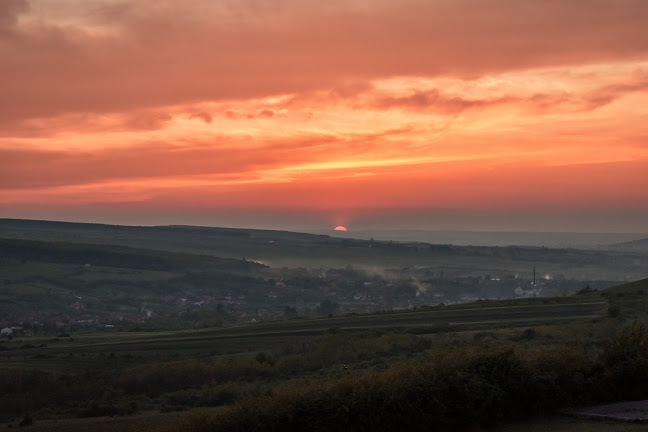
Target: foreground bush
[
  {"x": 625, "y": 363},
  {"x": 460, "y": 389},
  {"x": 457, "y": 390}
]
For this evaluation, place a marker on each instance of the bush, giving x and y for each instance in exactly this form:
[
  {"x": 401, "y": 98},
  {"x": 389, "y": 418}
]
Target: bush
[
  {"x": 108, "y": 408},
  {"x": 526, "y": 335},
  {"x": 461, "y": 388},
  {"x": 27, "y": 420},
  {"x": 208, "y": 396},
  {"x": 626, "y": 362},
  {"x": 264, "y": 358},
  {"x": 614, "y": 311}
]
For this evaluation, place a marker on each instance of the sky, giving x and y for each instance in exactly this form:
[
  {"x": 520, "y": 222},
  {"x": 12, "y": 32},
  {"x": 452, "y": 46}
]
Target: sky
[{"x": 305, "y": 115}]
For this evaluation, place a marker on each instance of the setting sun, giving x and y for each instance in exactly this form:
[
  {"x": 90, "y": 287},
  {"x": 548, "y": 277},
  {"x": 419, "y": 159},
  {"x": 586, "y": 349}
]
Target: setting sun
[{"x": 340, "y": 228}]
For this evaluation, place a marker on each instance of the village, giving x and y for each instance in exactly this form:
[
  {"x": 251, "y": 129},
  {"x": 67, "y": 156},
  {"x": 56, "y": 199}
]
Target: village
[{"x": 289, "y": 293}]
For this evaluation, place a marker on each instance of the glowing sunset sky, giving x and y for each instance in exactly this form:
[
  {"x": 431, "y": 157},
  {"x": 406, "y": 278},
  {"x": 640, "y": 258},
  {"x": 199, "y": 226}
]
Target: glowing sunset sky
[{"x": 299, "y": 114}]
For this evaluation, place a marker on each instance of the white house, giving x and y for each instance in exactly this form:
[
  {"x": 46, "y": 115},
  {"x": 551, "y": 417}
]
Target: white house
[{"x": 6, "y": 331}]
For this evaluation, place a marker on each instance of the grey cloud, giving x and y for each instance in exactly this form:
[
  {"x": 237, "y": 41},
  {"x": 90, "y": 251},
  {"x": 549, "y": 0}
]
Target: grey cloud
[
  {"x": 9, "y": 11},
  {"x": 163, "y": 58}
]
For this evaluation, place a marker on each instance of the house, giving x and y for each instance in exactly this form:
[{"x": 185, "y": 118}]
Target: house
[{"x": 6, "y": 331}]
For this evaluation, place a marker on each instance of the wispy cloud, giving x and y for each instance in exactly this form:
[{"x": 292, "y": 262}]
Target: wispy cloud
[{"x": 158, "y": 54}]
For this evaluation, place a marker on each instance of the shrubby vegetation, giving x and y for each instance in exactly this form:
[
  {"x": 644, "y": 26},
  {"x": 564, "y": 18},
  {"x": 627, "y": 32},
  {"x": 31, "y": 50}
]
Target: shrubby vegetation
[
  {"x": 372, "y": 380},
  {"x": 457, "y": 389},
  {"x": 212, "y": 381}
]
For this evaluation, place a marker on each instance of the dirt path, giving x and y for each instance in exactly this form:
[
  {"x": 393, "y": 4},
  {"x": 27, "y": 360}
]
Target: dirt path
[
  {"x": 629, "y": 411},
  {"x": 94, "y": 424}
]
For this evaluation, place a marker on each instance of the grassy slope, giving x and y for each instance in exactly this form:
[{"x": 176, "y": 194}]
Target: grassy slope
[
  {"x": 51, "y": 278},
  {"x": 497, "y": 321},
  {"x": 631, "y": 299},
  {"x": 142, "y": 347},
  {"x": 114, "y": 256}
]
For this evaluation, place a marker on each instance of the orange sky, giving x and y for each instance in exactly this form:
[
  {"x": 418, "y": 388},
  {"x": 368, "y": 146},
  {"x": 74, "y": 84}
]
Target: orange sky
[{"x": 296, "y": 114}]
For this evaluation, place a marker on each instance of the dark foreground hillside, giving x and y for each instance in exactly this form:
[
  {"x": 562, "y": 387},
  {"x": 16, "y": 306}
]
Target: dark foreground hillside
[
  {"x": 449, "y": 368},
  {"x": 459, "y": 389},
  {"x": 487, "y": 383}
]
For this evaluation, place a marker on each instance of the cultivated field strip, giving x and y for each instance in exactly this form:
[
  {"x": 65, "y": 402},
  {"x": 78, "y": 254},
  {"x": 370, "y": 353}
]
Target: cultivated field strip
[{"x": 416, "y": 321}]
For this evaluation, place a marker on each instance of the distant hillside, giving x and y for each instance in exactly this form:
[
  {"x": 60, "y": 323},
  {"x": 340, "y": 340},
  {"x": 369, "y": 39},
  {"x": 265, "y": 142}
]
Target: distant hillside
[
  {"x": 223, "y": 242},
  {"x": 17, "y": 226},
  {"x": 576, "y": 240},
  {"x": 635, "y": 245},
  {"x": 86, "y": 285},
  {"x": 279, "y": 249},
  {"x": 12, "y": 251}
]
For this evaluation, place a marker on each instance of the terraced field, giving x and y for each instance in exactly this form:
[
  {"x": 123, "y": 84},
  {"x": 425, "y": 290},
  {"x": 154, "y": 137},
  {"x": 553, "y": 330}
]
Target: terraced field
[{"x": 86, "y": 350}]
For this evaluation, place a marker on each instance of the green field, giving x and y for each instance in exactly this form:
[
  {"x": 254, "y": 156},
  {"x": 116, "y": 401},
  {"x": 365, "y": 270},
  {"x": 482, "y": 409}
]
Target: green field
[{"x": 84, "y": 349}]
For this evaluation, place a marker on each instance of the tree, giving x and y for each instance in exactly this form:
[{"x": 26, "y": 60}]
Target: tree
[
  {"x": 290, "y": 312},
  {"x": 328, "y": 307}
]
